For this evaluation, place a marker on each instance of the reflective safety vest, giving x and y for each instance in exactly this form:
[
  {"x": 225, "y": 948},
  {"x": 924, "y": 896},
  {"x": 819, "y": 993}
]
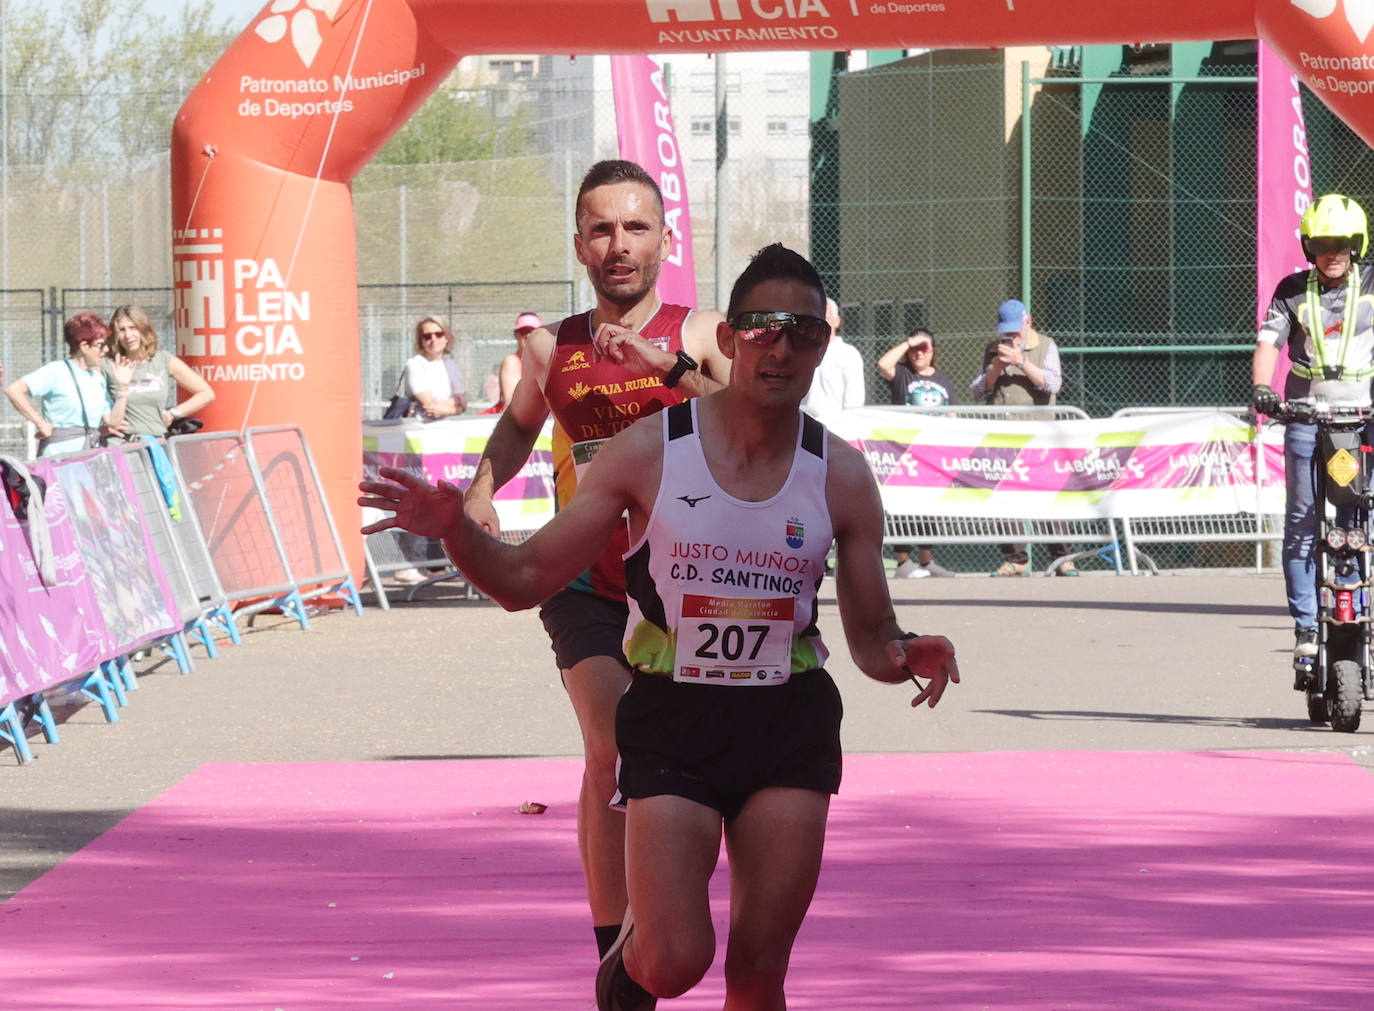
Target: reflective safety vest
[{"x": 1322, "y": 366}]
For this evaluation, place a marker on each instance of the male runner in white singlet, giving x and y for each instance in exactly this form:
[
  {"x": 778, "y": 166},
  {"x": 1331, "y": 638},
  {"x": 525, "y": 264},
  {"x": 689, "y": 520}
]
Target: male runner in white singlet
[{"x": 730, "y": 722}]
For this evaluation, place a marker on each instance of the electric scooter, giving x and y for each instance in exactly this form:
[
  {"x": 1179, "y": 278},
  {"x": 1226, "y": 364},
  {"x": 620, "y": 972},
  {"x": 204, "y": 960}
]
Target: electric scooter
[{"x": 1338, "y": 680}]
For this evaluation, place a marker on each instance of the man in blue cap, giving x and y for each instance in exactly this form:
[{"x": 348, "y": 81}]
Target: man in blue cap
[{"x": 1021, "y": 368}]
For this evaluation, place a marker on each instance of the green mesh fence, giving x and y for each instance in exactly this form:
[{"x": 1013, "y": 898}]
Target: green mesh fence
[{"x": 1112, "y": 188}]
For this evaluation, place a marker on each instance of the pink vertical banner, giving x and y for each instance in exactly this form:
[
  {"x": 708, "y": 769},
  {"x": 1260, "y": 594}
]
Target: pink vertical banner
[
  {"x": 647, "y": 137},
  {"x": 1284, "y": 185}
]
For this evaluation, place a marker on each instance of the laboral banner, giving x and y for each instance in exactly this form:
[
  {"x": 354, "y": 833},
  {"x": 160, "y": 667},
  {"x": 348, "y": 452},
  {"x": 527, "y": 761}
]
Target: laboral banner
[
  {"x": 1151, "y": 465},
  {"x": 644, "y": 120},
  {"x": 449, "y": 449},
  {"x": 1283, "y": 185}
]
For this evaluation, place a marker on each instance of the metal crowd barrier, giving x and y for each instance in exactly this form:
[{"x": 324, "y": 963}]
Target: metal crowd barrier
[
  {"x": 295, "y": 500},
  {"x": 153, "y": 543},
  {"x": 1217, "y": 528},
  {"x": 1100, "y": 534},
  {"x": 157, "y": 519},
  {"x": 931, "y": 530},
  {"x": 998, "y": 412},
  {"x": 232, "y": 498}
]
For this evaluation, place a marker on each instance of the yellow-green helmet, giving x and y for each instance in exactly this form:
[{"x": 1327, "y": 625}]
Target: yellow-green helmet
[{"x": 1336, "y": 217}]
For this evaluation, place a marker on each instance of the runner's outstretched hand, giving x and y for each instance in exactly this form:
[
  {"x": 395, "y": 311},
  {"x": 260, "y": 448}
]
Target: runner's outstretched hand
[
  {"x": 925, "y": 656},
  {"x": 415, "y": 504}
]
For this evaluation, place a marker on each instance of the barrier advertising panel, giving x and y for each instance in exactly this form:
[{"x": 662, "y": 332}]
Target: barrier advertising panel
[
  {"x": 1190, "y": 463},
  {"x": 449, "y": 449}
]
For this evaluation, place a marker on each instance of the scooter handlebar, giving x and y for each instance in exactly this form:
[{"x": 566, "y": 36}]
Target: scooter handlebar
[{"x": 1313, "y": 414}]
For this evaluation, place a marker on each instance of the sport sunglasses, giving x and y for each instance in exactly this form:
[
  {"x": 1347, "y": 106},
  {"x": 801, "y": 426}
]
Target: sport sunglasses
[{"x": 768, "y": 327}]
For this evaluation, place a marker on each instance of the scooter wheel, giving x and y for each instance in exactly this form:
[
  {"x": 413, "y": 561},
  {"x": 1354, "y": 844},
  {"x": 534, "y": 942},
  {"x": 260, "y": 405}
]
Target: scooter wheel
[
  {"x": 1316, "y": 708},
  {"x": 1344, "y": 696}
]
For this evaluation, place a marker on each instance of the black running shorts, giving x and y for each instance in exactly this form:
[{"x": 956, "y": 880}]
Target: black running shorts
[
  {"x": 718, "y": 745},
  {"x": 583, "y": 625}
]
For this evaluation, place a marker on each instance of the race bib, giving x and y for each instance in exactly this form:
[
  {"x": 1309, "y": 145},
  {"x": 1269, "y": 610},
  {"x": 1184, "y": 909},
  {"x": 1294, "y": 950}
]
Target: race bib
[
  {"x": 734, "y": 640},
  {"x": 582, "y": 455}
]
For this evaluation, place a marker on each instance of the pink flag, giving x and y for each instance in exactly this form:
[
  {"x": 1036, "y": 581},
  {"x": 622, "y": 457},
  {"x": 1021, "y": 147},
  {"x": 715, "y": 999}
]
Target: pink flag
[
  {"x": 1284, "y": 185},
  {"x": 647, "y": 137}
]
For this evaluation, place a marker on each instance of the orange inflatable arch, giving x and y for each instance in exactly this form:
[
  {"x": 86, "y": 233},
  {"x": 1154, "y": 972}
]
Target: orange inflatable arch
[{"x": 266, "y": 145}]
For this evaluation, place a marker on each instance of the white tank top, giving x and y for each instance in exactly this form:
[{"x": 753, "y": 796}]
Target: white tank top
[{"x": 723, "y": 591}]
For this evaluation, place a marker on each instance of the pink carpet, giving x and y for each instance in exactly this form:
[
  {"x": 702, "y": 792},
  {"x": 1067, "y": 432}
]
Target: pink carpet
[{"x": 1004, "y": 880}]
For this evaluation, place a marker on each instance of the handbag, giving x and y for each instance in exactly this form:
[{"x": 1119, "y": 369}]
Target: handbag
[
  {"x": 401, "y": 406},
  {"x": 94, "y": 440},
  {"x": 185, "y": 426}
]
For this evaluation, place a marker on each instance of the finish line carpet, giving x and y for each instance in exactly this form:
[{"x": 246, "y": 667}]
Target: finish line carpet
[{"x": 1003, "y": 880}]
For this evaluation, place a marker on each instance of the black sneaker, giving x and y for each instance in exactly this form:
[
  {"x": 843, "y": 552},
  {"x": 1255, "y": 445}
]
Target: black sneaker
[{"x": 615, "y": 990}]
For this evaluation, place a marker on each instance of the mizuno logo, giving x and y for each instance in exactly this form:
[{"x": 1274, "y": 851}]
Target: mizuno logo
[{"x": 692, "y": 502}]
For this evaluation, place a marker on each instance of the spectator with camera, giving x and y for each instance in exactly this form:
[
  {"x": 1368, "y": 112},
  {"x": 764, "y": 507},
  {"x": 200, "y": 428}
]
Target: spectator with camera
[{"x": 1020, "y": 368}]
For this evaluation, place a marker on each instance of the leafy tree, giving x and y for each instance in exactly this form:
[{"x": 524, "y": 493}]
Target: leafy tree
[
  {"x": 186, "y": 46},
  {"x": 94, "y": 80},
  {"x": 456, "y": 124}
]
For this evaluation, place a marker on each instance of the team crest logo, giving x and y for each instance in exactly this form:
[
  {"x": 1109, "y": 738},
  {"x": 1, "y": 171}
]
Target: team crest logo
[
  {"x": 576, "y": 360},
  {"x": 579, "y": 390},
  {"x": 796, "y": 533},
  {"x": 1359, "y": 14},
  {"x": 285, "y": 16}
]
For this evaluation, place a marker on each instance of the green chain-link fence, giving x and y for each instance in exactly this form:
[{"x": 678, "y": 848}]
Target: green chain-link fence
[{"x": 1112, "y": 188}]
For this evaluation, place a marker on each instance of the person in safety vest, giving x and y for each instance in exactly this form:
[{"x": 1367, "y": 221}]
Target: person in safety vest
[{"x": 1325, "y": 318}]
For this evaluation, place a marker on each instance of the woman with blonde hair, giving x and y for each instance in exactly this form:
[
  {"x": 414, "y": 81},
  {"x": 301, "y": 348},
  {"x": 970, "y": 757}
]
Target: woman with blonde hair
[
  {"x": 431, "y": 377},
  {"x": 149, "y": 409},
  {"x": 435, "y": 387}
]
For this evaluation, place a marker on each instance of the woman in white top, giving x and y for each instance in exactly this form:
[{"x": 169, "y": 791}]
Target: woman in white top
[{"x": 431, "y": 377}]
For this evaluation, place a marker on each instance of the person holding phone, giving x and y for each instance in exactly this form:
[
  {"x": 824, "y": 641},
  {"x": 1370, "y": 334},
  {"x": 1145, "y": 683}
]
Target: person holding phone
[{"x": 1020, "y": 368}]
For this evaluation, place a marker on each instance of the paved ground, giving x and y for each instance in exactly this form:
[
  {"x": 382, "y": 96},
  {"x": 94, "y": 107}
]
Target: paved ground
[{"x": 1172, "y": 662}]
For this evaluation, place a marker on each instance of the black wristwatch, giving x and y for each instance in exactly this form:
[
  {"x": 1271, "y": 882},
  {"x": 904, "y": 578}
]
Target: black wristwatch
[{"x": 685, "y": 363}]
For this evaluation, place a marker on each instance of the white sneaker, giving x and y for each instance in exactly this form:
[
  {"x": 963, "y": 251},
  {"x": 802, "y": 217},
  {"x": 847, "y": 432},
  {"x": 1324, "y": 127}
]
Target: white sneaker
[
  {"x": 910, "y": 570},
  {"x": 1304, "y": 643},
  {"x": 409, "y": 576}
]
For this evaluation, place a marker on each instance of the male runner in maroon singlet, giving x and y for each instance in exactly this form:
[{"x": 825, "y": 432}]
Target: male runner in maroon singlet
[{"x": 598, "y": 372}]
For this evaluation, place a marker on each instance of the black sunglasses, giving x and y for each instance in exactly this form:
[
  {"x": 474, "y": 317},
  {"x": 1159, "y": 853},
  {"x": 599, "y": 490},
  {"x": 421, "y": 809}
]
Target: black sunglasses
[{"x": 768, "y": 327}]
